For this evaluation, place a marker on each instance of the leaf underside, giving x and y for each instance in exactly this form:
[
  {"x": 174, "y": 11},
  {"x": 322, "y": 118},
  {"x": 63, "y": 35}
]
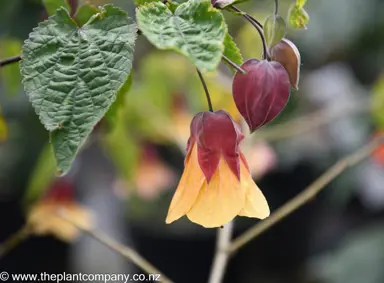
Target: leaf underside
[{"x": 72, "y": 74}]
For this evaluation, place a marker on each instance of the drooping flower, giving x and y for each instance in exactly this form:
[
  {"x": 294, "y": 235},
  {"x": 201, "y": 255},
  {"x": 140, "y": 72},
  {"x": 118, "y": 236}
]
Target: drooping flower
[
  {"x": 216, "y": 184},
  {"x": 43, "y": 218}
]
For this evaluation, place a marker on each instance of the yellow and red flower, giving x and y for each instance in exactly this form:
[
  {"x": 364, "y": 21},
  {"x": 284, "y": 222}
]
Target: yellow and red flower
[
  {"x": 43, "y": 218},
  {"x": 216, "y": 184}
]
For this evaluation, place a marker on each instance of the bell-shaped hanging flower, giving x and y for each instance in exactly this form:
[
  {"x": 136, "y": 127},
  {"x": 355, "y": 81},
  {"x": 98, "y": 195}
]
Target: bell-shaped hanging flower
[
  {"x": 43, "y": 218},
  {"x": 216, "y": 184},
  {"x": 262, "y": 93}
]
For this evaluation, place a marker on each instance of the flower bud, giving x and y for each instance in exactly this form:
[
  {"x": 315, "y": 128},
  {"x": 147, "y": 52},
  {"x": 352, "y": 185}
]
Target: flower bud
[
  {"x": 287, "y": 54},
  {"x": 262, "y": 93}
]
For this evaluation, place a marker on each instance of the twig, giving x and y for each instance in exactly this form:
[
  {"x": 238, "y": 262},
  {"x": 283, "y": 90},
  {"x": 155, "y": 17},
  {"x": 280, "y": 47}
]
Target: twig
[
  {"x": 10, "y": 60},
  {"x": 14, "y": 240},
  {"x": 115, "y": 246},
  {"x": 234, "y": 65},
  {"x": 312, "y": 121},
  {"x": 307, "y": 194},
  {"x": 220, "y": 260},
  {"x": 210, "y": 107}
]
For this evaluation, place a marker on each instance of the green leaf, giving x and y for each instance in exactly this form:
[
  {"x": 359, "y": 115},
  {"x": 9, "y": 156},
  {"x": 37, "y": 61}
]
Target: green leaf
[
  {"x": 72, "y": 75},
  {"x": 53, "y": 5},
  {"x": 84, "y": 13},
  {"x": 301, "y": 3},
  {"x": 274, "y": 30},
  {"x": 298, "y": 17},
  {"x": 378, "y": 102},
  {"x": 143, "y": 2},
  {"x": 172, "y": 5},
  {"x": 111, "y": 115},
  {"x": 196, "y": 30},
  {"x": 10, "y": 74},
  {"x": 231, "y": 51},
  {"x": 122, "y": 149},
  {"x": 42, "y": 175}
]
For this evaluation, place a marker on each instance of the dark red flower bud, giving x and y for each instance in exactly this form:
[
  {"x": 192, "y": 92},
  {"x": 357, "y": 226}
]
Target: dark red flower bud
[
  {"x": 216, "y": 135},
  {"x": 262, "y": 93},
  {"x": 287, "y": 54}
]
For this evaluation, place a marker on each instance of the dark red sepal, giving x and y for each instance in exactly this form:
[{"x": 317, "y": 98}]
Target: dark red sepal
[
  {"x": 60, "y": 190},
  {"x": 216, "y": 136},
  {"x": 262, "y": 93}
]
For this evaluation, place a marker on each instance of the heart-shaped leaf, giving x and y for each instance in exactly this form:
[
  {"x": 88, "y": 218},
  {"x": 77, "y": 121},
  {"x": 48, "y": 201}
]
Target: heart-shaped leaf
[
  {"x": 287, "y": 54},
  {"x": 262, "y": 93},
  {"x": 72, "y": 74},
  {"x": 195, "y": 30},
  {"x": 274, "y": 30}
]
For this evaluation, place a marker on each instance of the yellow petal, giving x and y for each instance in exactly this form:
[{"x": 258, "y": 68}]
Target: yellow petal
[
  {"x": 43, "y": 220},
  {"x": 188, "y": 189},
  {"x": 255, "y": 203},
  {"x": 220, "y": 200}
]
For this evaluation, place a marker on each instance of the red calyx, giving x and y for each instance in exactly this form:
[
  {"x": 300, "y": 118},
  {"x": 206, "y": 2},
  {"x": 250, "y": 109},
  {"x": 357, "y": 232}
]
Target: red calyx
[
  {"x": 61, "y": 190},
  {"x": 262, "y": 93},
  {"x": 216, "y": 135}
]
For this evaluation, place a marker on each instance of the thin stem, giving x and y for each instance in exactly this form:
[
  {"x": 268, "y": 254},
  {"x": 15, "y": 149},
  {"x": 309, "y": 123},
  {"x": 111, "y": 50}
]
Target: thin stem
[
  {"x": 309, "y": 193},
  {"x": 14, "y": 240},
  {"x": 206, "y": 90},
  {"x": 258, "y": 28},
  {"x": 234, "y": 65},
  {"x": 220, "y": 261},
  {"x": 10, "y": 60},
  {"x": 276, "y": 7},
  {"x": 115, "y": 246},
  {"x": 241, "y": 12}
]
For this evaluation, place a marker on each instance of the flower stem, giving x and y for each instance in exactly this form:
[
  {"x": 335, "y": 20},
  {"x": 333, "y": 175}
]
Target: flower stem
[
  {"x": 220, "y": 261},
  {"x": 206, "y": 90},
  {"x": 276, "y": 7},
  {"x": 234, "y": 65},
  {"x": 258, "y": 26},
  {"x": 14, "y": 240},
  {"x": 123, "y": 250},
  {"x": 10, "y": 60},
  {"x": 253, "y": 19}
]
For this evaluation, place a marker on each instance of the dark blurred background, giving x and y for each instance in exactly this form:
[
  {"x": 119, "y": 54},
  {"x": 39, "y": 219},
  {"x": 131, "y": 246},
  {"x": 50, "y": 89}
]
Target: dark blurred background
[{"x": 124, "y": 178}]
